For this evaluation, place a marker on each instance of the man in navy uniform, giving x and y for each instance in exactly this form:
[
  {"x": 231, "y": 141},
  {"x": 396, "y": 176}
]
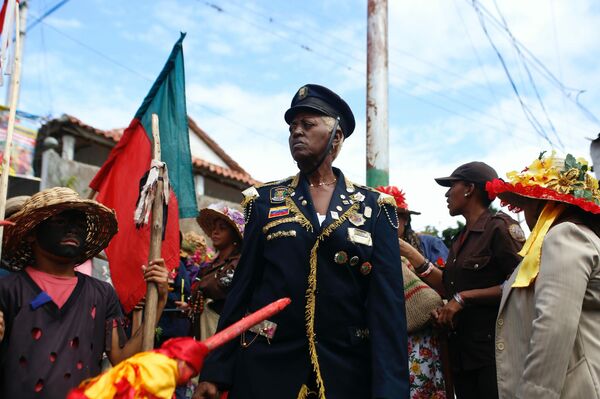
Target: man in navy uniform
[{"x": 330, "y": 245}]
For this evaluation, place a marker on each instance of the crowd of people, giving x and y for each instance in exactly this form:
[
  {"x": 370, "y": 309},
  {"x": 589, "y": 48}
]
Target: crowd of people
[{"x": 377, "y": 310}]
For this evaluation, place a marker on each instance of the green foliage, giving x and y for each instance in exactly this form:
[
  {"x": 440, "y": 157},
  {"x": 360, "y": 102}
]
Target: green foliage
[
  {"x": 432, "y": 231},
  {"x": 69, "y": 182},
  {"x": 450, "y": 232}
]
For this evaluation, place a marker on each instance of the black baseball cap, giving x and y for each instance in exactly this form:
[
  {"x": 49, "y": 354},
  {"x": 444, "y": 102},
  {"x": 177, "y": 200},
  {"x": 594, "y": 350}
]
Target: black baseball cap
[
  {"x": 473, "y": 172},
  {"x": 317, "y": 98}
]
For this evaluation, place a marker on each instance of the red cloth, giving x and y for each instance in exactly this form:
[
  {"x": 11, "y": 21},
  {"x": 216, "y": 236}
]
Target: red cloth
[
  {"x": 187, "y": 349},
  {"x": 117, "y": 183},
  {"x": 59, "y": 288}
]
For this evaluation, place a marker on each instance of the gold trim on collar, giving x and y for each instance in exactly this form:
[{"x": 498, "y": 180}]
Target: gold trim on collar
[
  {"x": 349, "y": 185},
  {"x": 300, "y": 218},
  {"x": 295, "y": 181}
]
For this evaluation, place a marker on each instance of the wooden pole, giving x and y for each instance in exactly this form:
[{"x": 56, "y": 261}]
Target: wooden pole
[
  {"x": 150, "y": 309},
  {"x": 14, "y": 96}
]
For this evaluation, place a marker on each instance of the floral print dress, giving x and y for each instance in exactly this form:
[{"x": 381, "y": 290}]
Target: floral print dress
[{"x": 425, "y": 365}]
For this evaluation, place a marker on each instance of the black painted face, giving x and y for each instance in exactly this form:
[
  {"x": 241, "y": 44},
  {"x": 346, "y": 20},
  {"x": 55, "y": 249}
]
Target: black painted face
[{"x": 63, "y": 234}]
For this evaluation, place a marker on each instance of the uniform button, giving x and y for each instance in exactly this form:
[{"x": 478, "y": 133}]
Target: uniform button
[
  {"x": 500, "y": 322},
  {"x": 451, "y": 282},
  {"x": 476, "y": 266},
  {"x": 500, "y": 346}
]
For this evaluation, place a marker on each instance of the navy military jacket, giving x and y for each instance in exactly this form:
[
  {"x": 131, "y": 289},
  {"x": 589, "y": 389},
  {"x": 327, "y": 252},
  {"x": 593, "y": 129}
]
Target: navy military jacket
[{"x": 346, "y": 324}]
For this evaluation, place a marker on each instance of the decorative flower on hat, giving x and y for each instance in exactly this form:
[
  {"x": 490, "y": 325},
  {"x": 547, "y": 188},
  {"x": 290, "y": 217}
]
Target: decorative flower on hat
[
  {"x": 552, "y": 178},
  {"x": 398, "y": 195},
  {"x": 220, "y": 210}
]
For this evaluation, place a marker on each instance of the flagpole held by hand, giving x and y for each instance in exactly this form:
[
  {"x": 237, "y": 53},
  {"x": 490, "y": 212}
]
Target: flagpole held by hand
[{"x": 155, "y": 245}]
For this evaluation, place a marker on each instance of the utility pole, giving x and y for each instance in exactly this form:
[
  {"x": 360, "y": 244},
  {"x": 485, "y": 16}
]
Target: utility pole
[
  {"x": 23, "y": 6},
  {"x": 377, "y": 94}
]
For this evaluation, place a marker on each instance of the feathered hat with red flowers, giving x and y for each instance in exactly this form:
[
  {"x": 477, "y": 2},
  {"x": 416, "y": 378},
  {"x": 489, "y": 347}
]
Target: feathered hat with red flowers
[
  {"x": 399, "y": 196},
  {"x": 550, "y": 178}
]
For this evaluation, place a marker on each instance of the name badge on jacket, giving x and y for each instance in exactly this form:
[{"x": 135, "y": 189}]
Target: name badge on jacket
[{"x": 359, "y": 236}]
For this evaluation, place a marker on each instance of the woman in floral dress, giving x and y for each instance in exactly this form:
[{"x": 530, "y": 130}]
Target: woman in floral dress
[{"x": 425, "y": 364}]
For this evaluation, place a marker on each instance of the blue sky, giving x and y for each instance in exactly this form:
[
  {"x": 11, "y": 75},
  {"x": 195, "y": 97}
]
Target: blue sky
[{"x": 450, "y": 99}]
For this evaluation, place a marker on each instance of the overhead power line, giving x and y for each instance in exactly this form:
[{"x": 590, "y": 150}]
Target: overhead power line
[
  {"x": 570, "y": 93},
  {"x": 223, "y": 10}
]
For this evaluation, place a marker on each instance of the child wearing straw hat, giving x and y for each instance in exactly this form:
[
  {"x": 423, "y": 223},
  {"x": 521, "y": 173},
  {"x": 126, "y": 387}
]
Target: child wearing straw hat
[
  {"x": 55, "y": 323},
  {"x": 547, "y": 343}
]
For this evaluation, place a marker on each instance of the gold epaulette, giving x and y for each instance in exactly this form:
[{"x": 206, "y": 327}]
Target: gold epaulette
[
  {"x": 274, "y": 182},
  {"x": 250, "y": 194},
  {"x": 386, "y": 199}
]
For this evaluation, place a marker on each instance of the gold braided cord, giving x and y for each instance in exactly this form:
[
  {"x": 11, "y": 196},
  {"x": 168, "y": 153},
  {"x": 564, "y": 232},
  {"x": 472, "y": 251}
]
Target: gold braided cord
[
  {"x": 280, "y": 234},
  {"x": 304, "y": 222},
  {"x": 304, "y": 391},
  {"x": 277, "y": 222},
  {"x": 273, "y": 183},
  {"x": 310, "y": 296}
]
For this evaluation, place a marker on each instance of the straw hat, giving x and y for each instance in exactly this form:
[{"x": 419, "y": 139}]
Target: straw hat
[
  {"x": 191, "y": 243},
  {"x": 101, "y": 223},
  {"x": 399, "y": 196},
  {"x": 232, "y": 217},
  {"x": 550, "y": 178}
]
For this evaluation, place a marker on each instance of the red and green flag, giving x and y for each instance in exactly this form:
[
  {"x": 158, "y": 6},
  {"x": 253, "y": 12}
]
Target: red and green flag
[{"x": 118, "y": 181}]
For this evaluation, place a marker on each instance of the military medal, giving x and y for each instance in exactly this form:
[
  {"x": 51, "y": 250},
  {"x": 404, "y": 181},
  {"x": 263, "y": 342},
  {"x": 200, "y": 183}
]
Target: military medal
[
  {"x": 354, "y": 261},
  {"x": 340, "y": 257},
  {"x": 278, "y": 194},
  {"x": 368, "y": 211},
  {"x": 365, "y": 268},
  {"x": 357, "y": 219},
  {"x": 359, "y": 236},
  {"x": 360, "y": 197},
  {"x": 339, "y": 208},
  {"x": 334, "y": 215}
]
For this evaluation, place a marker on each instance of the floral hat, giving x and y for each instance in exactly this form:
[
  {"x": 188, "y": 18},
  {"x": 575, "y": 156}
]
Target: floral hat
[
  {"x": 550, "y": 178},
  {"x": 399, "y": 196},
  {"x": 220, "y": 210}
]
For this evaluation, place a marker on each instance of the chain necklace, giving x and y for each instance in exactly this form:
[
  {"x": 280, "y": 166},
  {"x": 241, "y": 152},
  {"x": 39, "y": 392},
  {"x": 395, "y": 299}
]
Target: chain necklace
[{"x": 323, "y": 183}]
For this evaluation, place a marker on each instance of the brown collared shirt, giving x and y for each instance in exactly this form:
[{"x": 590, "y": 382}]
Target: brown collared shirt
[{"x": 481, "y": 256}]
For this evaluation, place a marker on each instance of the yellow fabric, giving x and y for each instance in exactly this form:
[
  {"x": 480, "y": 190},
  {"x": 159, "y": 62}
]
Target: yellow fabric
[
  {"x": 532, "y": 249},
  {"x": 147, "y": 372}
]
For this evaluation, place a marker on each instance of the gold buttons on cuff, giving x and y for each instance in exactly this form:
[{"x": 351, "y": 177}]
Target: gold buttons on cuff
[
  {"x": 500, "y": 322},
  {"x": 500, "y": 346}
]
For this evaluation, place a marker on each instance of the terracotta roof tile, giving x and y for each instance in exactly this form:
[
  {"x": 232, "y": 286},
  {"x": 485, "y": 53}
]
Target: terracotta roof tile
[{"x": 234, "y": 171}]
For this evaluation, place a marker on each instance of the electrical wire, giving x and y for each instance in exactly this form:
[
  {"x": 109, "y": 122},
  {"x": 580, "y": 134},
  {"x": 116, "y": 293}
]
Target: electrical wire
[
  {"x": 527, "y": 112},
  {"x": 301, "y": 45}
]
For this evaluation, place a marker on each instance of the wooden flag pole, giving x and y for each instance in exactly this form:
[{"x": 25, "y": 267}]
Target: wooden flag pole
[
  {"x": 150, "y": 308},
  {"x": 14, "y": 96}
]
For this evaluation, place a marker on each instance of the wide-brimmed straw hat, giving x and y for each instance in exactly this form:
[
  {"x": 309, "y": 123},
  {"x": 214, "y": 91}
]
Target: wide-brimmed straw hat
[
  {"x": 550, "y": 178},
  {"x": 231, "y": 216},
  {"x": 399, "y": 196},
  {"x": 101, "y": 223}
]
